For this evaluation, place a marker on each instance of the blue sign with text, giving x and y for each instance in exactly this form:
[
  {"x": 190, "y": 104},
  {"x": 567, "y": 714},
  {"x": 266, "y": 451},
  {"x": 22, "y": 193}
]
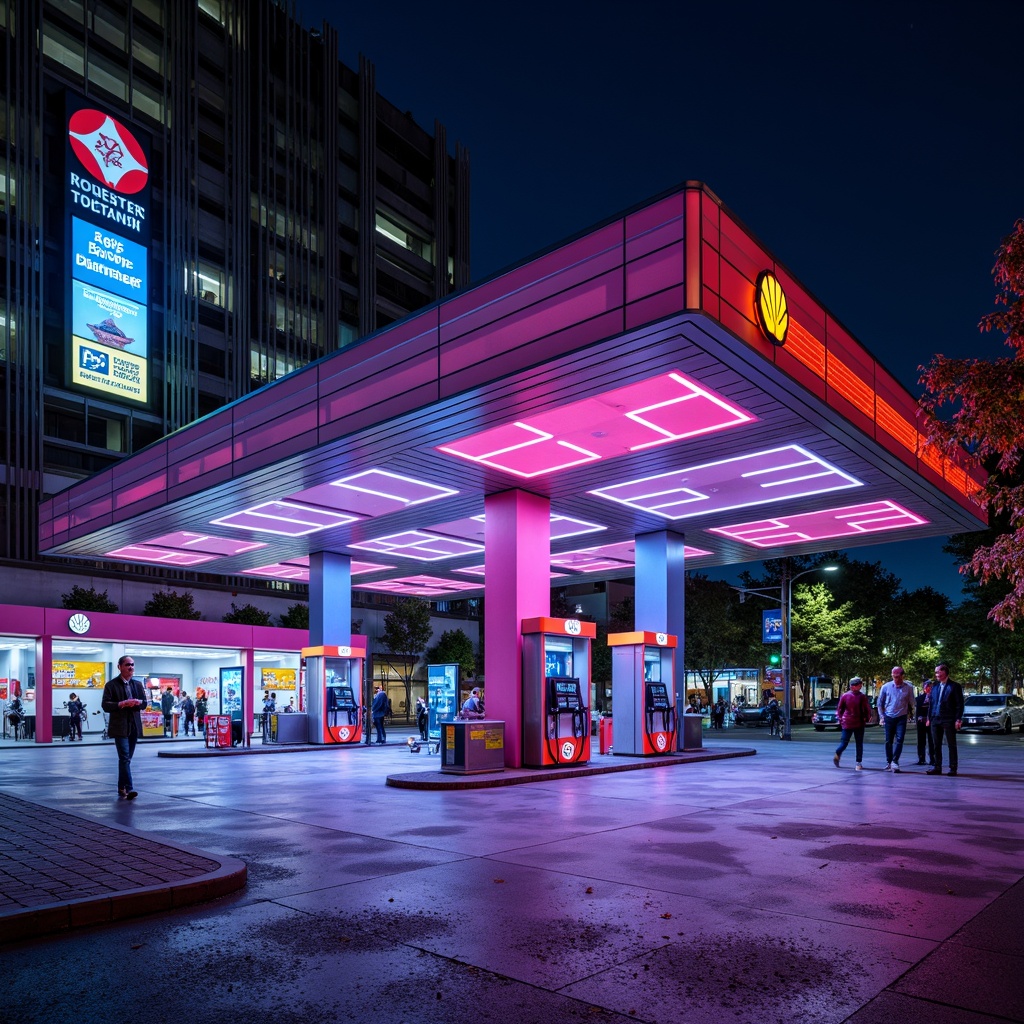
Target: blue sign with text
[{"x": 771, "y": 627}]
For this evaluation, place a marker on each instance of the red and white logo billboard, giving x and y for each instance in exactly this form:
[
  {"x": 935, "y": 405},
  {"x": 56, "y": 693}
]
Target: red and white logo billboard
[{"x": 108, "y": 151}]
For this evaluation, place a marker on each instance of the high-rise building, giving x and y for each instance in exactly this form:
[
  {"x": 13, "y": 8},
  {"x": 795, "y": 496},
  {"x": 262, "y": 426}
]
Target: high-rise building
[{"x": 196, "y": 197}]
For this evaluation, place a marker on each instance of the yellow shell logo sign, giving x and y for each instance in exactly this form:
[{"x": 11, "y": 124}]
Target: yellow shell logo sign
[{"x": 772, "y": 309}]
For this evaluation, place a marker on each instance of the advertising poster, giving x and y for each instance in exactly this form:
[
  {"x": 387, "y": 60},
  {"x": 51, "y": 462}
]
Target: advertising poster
[
  {"x": 79, "y": 675},
  {"x": 231, "y": 692},
  {"x": 278, "y": 679},
  {"x": 442, "y": 693},
  {"x": 107, "y": 234}
]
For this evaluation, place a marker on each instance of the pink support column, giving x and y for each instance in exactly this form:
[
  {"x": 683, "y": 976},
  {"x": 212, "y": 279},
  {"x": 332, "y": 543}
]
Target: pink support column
[
  {"x": 43, "y": 709},
  {"x": 249, "y": 696},
  {"x": 517, "y": 578}
]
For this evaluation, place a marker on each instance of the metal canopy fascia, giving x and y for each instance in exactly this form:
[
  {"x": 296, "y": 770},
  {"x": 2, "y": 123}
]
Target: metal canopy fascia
[{"x": 589, "y": 318}]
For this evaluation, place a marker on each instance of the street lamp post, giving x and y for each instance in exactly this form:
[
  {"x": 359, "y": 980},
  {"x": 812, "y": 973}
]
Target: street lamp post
[{"x": 787, "y": 638}]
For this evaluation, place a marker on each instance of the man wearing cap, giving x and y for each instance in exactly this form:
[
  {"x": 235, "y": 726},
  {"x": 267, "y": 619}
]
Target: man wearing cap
[
  {"x": 895, "y": 704},
  {"x": 852, "y": 715}
]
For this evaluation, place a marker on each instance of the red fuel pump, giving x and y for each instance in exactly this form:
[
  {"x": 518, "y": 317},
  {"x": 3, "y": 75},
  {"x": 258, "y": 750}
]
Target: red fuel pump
[
  {"x": 643, "y": 692},
  {"x": 556, "y": 691},
  {"x": 334, "y": 682}
]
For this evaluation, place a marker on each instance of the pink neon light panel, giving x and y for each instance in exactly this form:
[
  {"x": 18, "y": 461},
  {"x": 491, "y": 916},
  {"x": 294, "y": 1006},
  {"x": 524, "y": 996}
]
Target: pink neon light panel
[
  {"x": 851, "y": 521},
  {"x": 669, "y": 407},
  {"x": 755, "y": 479}
]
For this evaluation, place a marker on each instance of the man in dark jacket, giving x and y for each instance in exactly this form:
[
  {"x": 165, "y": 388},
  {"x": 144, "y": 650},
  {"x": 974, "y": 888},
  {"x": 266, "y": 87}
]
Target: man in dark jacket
[
  {"x": 946, "y": 711},
  {"x": 123, "y": 700},
  {"x": 379, "y": 709},
  {"x": 166, "y": 707},
  {"x": 922, "y": 703}
]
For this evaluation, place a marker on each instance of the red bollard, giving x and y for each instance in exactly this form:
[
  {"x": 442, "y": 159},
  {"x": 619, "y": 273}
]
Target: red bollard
[{"x": 604, "y": 735}]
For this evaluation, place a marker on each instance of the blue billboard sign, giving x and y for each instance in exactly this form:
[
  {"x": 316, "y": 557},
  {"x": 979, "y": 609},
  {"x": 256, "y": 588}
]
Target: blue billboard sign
[{"x": 771, "y": 627}]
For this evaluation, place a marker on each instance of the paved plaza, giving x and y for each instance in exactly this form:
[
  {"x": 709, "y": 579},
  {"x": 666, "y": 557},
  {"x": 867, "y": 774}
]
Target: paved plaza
[{"x": 767, "y": 888}]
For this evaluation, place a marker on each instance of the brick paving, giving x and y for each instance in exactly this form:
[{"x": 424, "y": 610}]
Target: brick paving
[{"x": 49, "y": 856}]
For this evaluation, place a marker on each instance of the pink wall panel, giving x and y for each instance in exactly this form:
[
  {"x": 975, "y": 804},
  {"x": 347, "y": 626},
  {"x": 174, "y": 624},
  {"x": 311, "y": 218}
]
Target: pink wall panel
[
  {"x": 583, "y": 262},
  {"x": 211, "y": 478},
  {"x": 570, "y": 263},
  {"x": 654, "y": 307},
  {"x": 657, "y": 226},
  {"x": 538, "y": 351},
  {"x": 745, "y": 330},
  {"x": 654, "y": 272},
  {"x": 407, "y": 370},
  {"x": 365, "y": 404},
  {"x": 520, "y": 327}
]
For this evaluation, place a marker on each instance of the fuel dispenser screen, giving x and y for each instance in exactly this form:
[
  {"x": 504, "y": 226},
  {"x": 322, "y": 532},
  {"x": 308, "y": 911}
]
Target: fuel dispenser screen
[
  {"x": 340, "y": 698},
  {"x": 657, "y": 696},
  {"x": 564, "y": 695}
]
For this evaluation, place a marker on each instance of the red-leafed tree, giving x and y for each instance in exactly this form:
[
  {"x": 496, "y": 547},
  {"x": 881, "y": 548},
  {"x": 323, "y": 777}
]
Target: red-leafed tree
[{"x": 978, "y": 404}]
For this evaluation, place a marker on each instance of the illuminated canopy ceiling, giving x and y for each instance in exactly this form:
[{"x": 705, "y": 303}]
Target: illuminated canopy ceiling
[{"x": 627, "y": 375}]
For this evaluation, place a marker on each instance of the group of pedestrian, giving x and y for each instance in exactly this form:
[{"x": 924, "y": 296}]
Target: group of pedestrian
[{"x": 937, "y": 713}]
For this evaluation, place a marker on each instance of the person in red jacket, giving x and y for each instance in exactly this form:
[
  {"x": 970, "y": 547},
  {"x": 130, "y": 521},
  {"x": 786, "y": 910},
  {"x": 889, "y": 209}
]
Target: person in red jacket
[{"x": 853, "y": 714}]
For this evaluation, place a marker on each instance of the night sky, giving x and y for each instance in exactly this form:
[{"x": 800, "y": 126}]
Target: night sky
[{"x": 876, "y": 148}]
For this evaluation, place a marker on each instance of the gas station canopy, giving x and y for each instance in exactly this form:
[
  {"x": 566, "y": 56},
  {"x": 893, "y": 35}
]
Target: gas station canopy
[{"x": 660, "y": 371}]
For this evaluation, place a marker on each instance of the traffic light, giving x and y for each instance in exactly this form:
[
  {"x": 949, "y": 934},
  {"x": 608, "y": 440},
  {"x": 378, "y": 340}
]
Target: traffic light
[{"x": 774, "y": 659}]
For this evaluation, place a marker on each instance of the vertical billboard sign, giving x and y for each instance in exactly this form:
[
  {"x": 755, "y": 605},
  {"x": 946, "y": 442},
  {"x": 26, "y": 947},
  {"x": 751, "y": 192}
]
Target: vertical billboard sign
[{"x": 107, "y": 212}]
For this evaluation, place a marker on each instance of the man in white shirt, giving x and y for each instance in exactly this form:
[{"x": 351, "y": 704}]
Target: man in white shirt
[{"x": 895, "y": 705}]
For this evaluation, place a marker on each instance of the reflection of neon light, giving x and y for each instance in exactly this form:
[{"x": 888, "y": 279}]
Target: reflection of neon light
[
  {"x": 669, "y": 406},
  {"x": 489, "y": 458},
  {"x": 696, "y": 391},
  {"x": 433, "y": 491},
  {"x": 718, "y": 487},
  {"x": 424, "y": 547},
  {"x": 254, "y": 519},
  {"x": 848, "y": 521}
]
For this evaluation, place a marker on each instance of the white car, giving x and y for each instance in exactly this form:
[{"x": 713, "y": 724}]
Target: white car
[{"x": 995, "y": 712}]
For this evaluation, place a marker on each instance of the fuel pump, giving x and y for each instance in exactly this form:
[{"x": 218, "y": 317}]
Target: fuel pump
[
  {"x": 643, "y": 693},
  {"x": 334, "y": 681},
  {"x": 556, "y": 691}
]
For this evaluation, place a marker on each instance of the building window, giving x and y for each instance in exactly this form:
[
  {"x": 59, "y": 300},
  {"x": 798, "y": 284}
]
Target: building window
[
  {"x": 208, "y": 283},
  {"x": 105, "y": 76},
  {"x": 147, "y": 101},
  {"x": 398, "y": 229},
  {"x": 63, "y": 49},
  {"x": 152, "y": 9}
]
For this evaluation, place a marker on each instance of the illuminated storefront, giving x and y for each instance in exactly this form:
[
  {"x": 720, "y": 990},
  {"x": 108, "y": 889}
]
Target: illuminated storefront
[{"x": 46, "y": 654}]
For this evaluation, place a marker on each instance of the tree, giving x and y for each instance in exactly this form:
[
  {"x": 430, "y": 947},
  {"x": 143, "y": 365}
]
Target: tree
[
  {"x": 714, "y": 639},
  {"x": 87, "y": 599},
  {"x": 826, "y": 639},
  {"x": 454, "y": 648},
  {"x": 297, "y": 617},
  {"x": 248, "y": 615},
  {"x": 978, "y": 404},
  {"x": 169, "y": 604},
  {"x": 407, "y": 632}
]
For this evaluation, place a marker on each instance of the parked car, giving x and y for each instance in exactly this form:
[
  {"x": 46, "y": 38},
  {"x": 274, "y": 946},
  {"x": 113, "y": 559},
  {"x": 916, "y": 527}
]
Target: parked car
[
  {"x": 825, "y": 716},
  {"x": 751, "y": 714},
  {"x": 993, "y": 712}
]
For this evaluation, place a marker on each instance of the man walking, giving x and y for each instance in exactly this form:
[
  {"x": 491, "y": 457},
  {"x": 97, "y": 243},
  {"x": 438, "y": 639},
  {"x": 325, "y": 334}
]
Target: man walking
[
  {"x": 123, "y": 700},
  {"x": 946, "y": 711},
  {"x": 895, "y": 704},
  {"x": 924, "y": 733}
]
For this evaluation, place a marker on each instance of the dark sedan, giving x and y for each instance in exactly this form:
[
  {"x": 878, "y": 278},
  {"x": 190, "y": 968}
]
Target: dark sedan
[
  {"x": 751, "y": 715},
  {"x": 825, "y": 716}
]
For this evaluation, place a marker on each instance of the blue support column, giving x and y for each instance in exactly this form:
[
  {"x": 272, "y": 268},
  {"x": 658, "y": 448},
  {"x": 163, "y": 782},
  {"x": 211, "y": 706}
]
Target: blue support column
[
  {"x": 330, "y": 599},
  {"x": 660, "y": 596}
]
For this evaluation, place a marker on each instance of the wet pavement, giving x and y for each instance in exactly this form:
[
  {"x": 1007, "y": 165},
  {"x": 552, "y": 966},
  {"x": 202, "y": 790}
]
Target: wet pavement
[{"x": 760, "y": 888}]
